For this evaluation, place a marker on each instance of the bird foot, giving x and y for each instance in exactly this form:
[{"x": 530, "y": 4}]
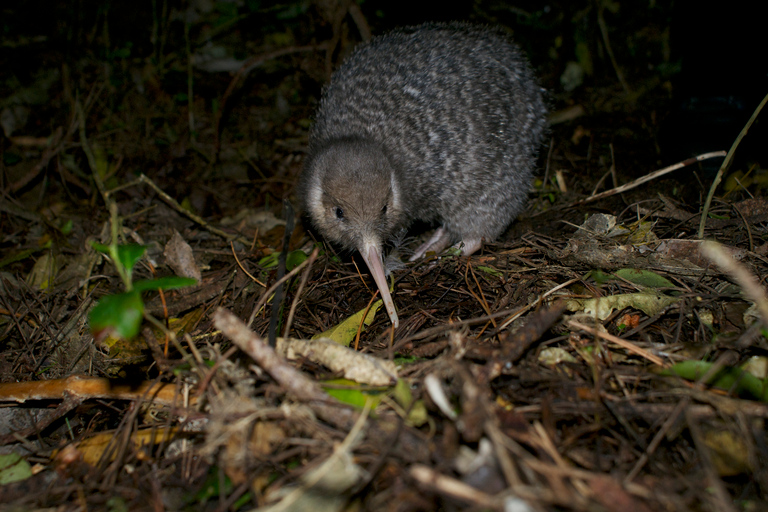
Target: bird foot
[{"x": 441, "y": 239}]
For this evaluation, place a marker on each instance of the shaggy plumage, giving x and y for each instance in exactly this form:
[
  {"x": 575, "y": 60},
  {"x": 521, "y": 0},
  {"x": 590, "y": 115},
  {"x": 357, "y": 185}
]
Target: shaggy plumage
[{"x": 438, "y": 123}]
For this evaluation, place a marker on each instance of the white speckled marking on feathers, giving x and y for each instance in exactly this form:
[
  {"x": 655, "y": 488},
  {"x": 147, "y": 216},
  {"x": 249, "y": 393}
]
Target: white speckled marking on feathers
[{"x": 439, "y": 123}]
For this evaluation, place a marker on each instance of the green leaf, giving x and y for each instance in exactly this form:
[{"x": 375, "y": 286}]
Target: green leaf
[
  {"x": 404, "y": 360},
  {"x": 164, "y": 283},
  {"x": 13, "y": 468},
  {"x": 489, "y": 270},
  {"x": 129, "y": 254},
  {"x": 100, "y": 247},
  {"x": 211, "y": 489},
  {"x": 599, "y": 276},
  {"x": 402, "y": 393},
  {"x": 644, "y": 278},
  {"x": 120, "y": 313},
  {"x": 10, "y": 158},
  {"x": 451, "y": 251},
  {"x": 417, "y": 414},
  {"x": 66, "y": 228},
  {"x": 294, "y": 259},
  {"x": 18, "y": 256},
  {"x": 269, "y": 261},
  {"x": 352, "y": 393},
  {"x": 102, "y": 162},
  {"x": 117, "y": 504},
  {"x": 735, "y": 380}
]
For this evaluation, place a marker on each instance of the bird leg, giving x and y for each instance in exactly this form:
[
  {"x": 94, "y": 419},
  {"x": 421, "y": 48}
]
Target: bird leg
[{"x": 440, "y": 240}]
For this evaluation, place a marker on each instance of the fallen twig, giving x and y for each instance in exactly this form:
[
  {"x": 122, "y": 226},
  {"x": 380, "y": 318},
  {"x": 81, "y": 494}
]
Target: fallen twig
[
  {"x": 265, "y": 356},
  {"x": 648, "y": 177},
  {"x": 620, "y": 342}
]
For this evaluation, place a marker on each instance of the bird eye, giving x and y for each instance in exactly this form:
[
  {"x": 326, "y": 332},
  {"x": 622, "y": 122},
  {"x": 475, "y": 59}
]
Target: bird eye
[{"x": 339, "y": 212}]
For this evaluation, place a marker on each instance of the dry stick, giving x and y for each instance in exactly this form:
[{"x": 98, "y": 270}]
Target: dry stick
[
  {"x": 87, "y": 388},
  {"x": 608, "y": 48},
  {"x": 545, "y": 181},
  {"x": 481, "y": 299},
  {"x": 302, "y": 283},
  {"x": 432, "y": 331},
  {"x": 288, "y": 377},
  {"x": 544, "y": 441},
  {"x": 362, "y": 321},
  {"x": 538, "y": 301},
  {"x": 718, "y": 491},
  {"x": 277, "y": 300},
  {"x": 723, "y": 258},
  {"x": 649, "y": 177},
  {"x": 681, "y": 406},
  {"x": 57, "y": 141},
  {"x": 55, "y": 146},
  {"x": 746, "y": 226},
  {"x": 725, "y": 165},
  {"x": 176, "y": 206},
  {"x": 89, "y": 154},
  {"x": 237, "y": 260},
  {"x": 516, "y": 313},
  {"x": 265, "y": 356},
  {"x": 451, "y": 487},
  {"x": 620, "y": 342},
  {"x": 508, "y": 469},
  {"x": 271, "y": 290},
  {"x": 190, "y": 88}
]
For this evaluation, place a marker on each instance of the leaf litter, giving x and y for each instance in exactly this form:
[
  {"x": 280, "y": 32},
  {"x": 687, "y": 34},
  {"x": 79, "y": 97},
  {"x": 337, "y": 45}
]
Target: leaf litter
[{"x": 599, "y": 356}]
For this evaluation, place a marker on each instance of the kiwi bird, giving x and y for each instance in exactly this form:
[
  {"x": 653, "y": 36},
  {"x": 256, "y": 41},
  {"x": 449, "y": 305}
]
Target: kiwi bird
[{"x": 438, "y": 123}]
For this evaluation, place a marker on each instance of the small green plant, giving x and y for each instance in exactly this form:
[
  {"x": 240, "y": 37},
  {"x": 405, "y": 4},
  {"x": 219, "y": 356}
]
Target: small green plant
[{"x": 121, "y": 314}]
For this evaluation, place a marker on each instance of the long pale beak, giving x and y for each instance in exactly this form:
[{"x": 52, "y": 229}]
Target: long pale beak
[{"x": 372, "y": 256}]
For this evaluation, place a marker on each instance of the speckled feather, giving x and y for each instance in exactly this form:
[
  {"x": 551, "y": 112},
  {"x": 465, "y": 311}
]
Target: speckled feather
[
  {"x": 439, "y": 123},
  {"x": 457, "y": 112}
]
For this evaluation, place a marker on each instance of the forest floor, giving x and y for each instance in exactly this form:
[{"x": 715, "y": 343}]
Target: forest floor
[{"x": 598, "y": 356}]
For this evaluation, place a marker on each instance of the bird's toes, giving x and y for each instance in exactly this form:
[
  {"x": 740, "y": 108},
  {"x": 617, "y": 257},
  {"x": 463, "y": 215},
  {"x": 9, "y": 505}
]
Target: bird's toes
[{"x": 439, "y": 240}]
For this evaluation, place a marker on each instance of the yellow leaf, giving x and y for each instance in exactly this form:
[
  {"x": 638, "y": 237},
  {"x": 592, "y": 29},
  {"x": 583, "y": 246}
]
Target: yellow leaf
[
  {"x": 729, "y": 452},
  {"x": 93, "y": 448},
  {"x": 43, "y": 273},
  {"x": 345, "y": 332}
]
